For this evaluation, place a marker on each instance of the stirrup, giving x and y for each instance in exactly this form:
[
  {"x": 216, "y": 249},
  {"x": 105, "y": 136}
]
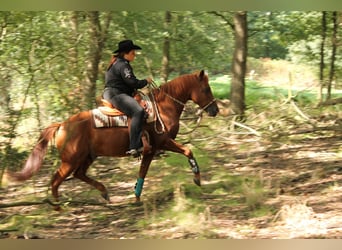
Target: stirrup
[{"x": 135, "y": 152}]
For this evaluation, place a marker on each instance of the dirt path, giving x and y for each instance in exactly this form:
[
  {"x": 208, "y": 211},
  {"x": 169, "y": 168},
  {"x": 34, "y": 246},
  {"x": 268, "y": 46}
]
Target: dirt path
[
  {"x": 302, "y": 181},
  {"x": 252, "y": 188}
]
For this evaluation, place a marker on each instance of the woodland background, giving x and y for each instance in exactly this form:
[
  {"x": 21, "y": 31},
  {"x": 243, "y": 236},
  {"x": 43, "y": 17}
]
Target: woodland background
[{"x": 272, "y": 158}]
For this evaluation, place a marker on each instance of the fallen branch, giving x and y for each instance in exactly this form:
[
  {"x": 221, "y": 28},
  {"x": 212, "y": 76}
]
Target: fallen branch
[
  {"x": 331, "y": 102},
  {"x": 253, "y": 131},
  {"x": 311, "y": 130},
  {"x": 299, "y": 111},
  {"x": 49, "y": 202},
  {"x": 9, "y": 230},
  {"x": 29, "y": 203}
]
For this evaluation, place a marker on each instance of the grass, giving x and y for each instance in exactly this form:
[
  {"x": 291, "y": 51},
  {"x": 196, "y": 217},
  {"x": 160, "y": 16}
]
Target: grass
[
  {"x": 257, "y": 93},
  {"x": 254, "y": 91}
]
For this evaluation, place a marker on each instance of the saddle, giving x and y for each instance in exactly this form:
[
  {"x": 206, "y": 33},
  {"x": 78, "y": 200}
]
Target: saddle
[
  {"x": 106, "y": 115},
  {"x": 108, "y": 109},
  {"x": 145, "y": 102}
]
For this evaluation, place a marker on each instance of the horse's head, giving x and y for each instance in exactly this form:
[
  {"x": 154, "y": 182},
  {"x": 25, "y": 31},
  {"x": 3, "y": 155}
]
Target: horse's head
[{"x": 201, "y": 94}]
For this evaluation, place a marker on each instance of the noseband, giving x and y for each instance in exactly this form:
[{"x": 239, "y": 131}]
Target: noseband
[{"x": 200, "y": 111}]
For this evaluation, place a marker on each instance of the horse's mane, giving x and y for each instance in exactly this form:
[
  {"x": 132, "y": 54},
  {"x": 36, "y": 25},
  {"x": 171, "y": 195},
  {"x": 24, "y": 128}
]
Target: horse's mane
[
  {"x": 176, "y": 81},
  {"x": 177, "y": 85}
]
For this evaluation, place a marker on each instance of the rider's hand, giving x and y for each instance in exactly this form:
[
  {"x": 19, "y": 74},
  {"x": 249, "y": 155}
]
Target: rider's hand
[{"x": 149, "y": 80}]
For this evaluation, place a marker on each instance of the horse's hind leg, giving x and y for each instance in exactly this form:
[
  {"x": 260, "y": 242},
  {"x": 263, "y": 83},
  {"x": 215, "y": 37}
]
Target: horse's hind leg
[
  {"x": 176, "y": 147},
  {"x": 62, "y": 173},
  {"x": 80, "y": 173}
]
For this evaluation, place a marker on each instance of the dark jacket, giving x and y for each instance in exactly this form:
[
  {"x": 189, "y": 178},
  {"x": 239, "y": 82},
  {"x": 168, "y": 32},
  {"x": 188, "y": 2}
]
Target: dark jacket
[{"x": 121, "y": 79}]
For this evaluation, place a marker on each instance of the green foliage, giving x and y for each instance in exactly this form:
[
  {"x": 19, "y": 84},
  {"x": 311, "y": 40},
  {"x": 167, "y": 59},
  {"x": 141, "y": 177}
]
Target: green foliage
[
  {"x": 266, "y": 39},
  {"x": 44, "y": 55}
]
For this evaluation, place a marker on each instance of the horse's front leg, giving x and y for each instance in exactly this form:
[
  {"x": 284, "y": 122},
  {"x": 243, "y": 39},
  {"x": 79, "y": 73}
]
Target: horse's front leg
[
  {"x": 145, "y": 164},
  {"x": 174, "y": 146}
]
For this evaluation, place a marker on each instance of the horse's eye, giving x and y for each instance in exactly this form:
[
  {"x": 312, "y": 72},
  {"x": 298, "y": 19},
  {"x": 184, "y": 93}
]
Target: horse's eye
[{"x": 206, "y": 90}]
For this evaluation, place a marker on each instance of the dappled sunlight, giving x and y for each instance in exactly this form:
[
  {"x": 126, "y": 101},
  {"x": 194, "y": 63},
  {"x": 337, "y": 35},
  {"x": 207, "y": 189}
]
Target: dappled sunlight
[
  {"x": 256, "y": 183},
  {"x": 271, "y": 170}
]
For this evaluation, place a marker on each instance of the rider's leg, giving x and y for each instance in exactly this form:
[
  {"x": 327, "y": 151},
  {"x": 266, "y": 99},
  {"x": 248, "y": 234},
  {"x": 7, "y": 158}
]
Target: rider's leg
[{"x": 132, "y": 109}]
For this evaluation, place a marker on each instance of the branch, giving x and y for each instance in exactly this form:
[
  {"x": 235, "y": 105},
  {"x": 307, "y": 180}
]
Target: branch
[
  {"x": 28, "y": 203},
  {"x": 49, "y": 202},
  {"x": 331, "y": 102},
  {"x": 253, "y": 131},
  {"x": 311, "y": 130},
  {"x": 299, "y": 111},
  {"x": 224, "y": 19}
]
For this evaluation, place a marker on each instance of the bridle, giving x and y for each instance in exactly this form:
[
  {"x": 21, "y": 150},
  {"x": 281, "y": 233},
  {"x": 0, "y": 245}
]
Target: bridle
[{"x": 198, "y": 113}]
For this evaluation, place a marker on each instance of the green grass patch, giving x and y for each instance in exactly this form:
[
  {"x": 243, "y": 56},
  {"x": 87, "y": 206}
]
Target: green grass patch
[
  {"x": 177, "y": 164},
  {"x": 220, "y": 90},
  {"x": 256, "y": 93}
]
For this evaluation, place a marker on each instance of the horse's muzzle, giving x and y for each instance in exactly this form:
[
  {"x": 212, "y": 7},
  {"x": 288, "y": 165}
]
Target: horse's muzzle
[{"x": 212, "y": 110}]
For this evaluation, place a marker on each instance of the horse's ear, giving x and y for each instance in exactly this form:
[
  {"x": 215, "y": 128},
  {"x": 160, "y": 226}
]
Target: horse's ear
[{"x": 201, "y": 75}]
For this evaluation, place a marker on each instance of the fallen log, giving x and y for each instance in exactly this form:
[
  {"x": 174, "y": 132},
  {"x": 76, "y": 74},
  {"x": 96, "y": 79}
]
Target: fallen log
[
  {"x": 331, "y": 102},
  {"x": 28, "y": 203}
]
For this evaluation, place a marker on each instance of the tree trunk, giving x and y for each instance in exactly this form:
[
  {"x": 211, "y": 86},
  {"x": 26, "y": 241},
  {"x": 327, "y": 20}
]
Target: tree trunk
[
  {"x": 75, "y": 68},
  {"x": 166, "y": 48},
  {"x": 97, "y": 35},
  {"x": 333, "y": 55},
  {"x": 237, "y": 90},
  {"x": 321, "y": 64},
  {"x": 73, "y": 53},
  {"x": 94, "y": 56}
]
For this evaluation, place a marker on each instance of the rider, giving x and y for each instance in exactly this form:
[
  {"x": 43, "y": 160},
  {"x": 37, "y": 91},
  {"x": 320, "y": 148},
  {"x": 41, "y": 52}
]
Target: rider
[{"x": 120, "y": 85}]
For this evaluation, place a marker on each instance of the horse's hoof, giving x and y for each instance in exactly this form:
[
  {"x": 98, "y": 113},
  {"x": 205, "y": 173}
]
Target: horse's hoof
[
  {"x": 105, "y": 196},
  {"x": 137, "y": 202},
  {"x": 197, "y": 181},
  {"x": 57, "y": 208}
]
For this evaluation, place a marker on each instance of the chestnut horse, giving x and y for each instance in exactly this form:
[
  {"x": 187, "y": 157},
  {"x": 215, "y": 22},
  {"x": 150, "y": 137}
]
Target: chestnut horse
[{"x": 79, "y": 143}]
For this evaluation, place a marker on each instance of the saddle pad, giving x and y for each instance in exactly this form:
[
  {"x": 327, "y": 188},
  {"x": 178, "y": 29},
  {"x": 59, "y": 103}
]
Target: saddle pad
[{"x": 104, "y": 121}]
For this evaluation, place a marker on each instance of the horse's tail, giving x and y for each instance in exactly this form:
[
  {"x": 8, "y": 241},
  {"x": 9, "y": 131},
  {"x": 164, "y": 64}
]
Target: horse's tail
[{"x": 35, "y": 160}]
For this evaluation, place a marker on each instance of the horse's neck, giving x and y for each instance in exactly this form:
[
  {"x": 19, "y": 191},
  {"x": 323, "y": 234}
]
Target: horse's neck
[
  {"x": 169, "y": 98},
  {"x": 179, "y": 88}
]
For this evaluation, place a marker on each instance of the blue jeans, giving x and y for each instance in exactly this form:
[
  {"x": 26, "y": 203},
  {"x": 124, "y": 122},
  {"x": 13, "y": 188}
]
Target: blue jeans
[{"x": 129, "y": 106}]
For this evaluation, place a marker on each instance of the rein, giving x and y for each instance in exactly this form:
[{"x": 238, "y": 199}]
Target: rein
[
  {"x": 175, "y": 100},
  {"x": 153, "y": 85}
]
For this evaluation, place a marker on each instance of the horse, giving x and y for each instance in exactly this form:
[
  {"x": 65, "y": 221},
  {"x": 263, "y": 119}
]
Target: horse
[{"x": 79, "y": 143}]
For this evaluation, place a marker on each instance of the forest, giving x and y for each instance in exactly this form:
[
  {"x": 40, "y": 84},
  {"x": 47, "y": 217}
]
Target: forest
[{"x": 270, "y": 160}]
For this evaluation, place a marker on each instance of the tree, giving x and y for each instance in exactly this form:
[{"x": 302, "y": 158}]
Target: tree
[
  {"x": 97, "y": 34},
  {"x": 322, "y": 54},
  {"x": 333, "y": 54},
  {"x": 166, "y": 48},
  {"x": 237, "y": 93}
]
